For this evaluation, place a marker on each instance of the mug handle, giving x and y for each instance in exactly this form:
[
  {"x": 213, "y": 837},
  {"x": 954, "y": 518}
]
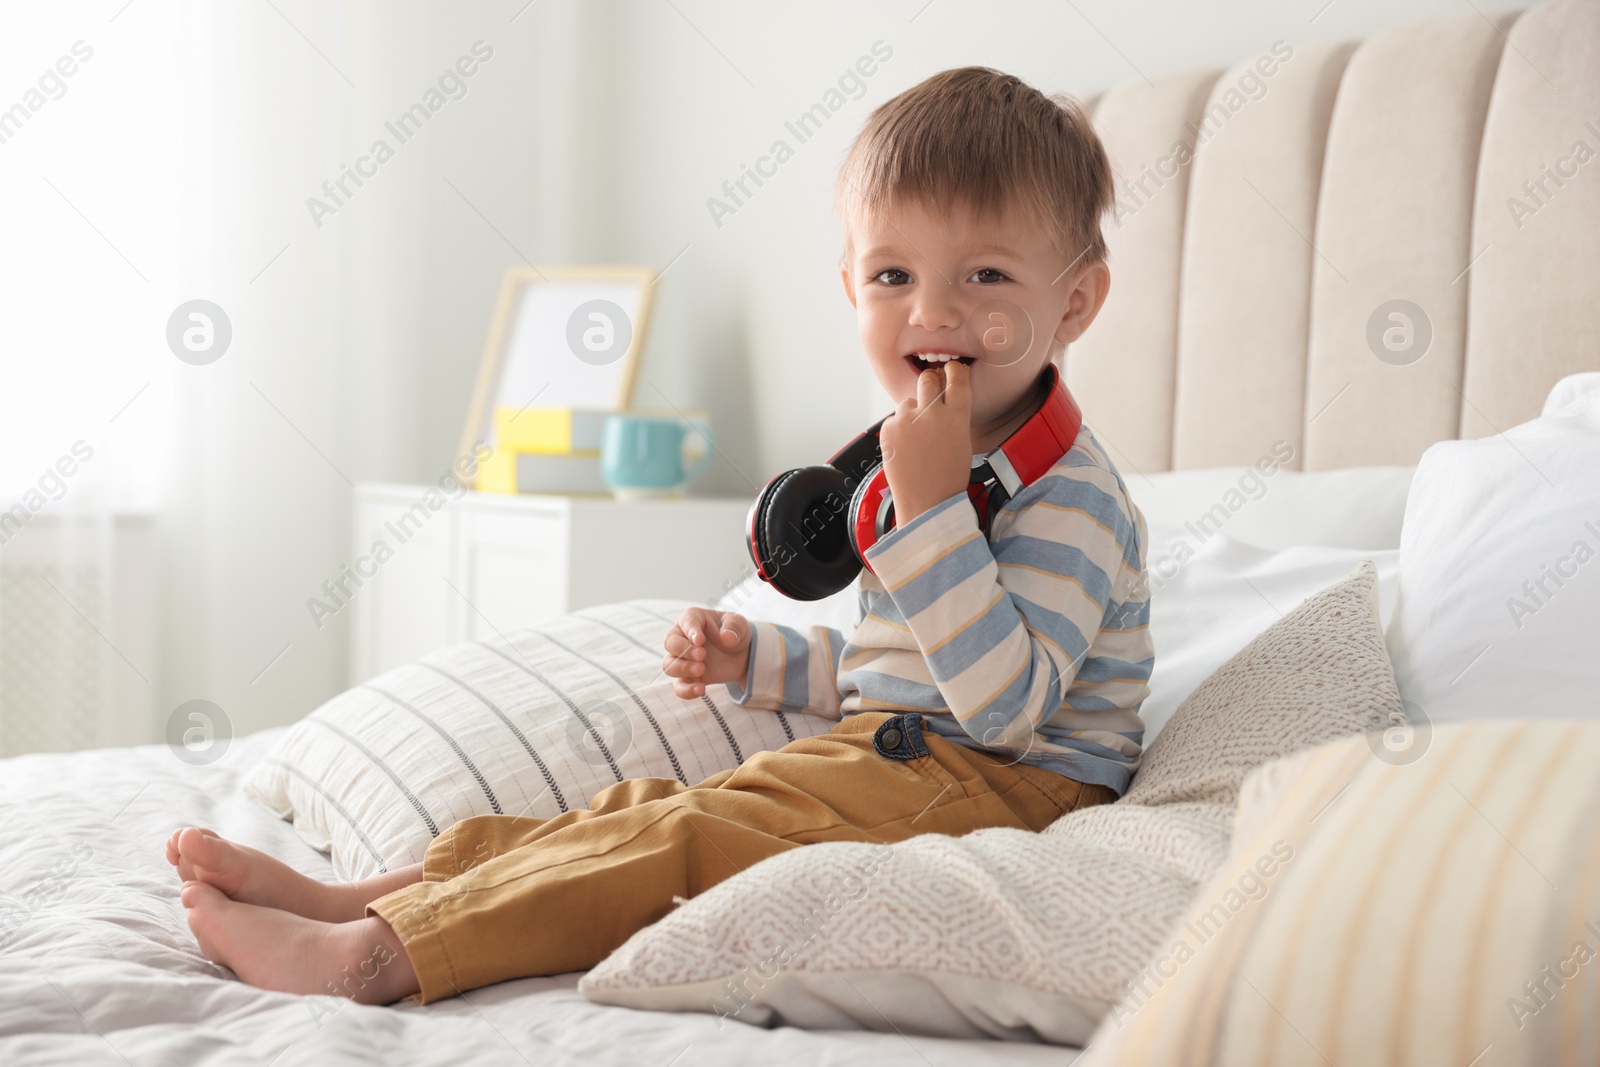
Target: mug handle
[{"x": 703, "y": 428}]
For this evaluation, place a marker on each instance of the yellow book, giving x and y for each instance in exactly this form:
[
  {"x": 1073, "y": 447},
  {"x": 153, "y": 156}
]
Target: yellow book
[{"x": 498, "y": 473}]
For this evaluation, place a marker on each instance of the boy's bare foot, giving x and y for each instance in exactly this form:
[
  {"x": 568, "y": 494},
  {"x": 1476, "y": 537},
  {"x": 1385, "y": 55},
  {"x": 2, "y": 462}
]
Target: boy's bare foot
[
  {"x": 273, "y": 949},
  {"x": 253, "y": 877}
]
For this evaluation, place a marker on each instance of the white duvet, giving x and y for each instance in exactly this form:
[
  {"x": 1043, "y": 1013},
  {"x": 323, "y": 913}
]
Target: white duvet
[{"x": 97, "y": 965}]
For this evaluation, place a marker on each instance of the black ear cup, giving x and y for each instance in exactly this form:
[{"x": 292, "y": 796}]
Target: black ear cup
[{"x": 799, "y": 534}]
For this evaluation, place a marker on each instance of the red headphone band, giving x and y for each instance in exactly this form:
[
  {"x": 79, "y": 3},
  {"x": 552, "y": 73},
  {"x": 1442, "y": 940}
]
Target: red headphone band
[
  {"x": 1022, "y": 459},
  {"x": 1040, "y": 442},
  {"x": 866, "y": 509}
]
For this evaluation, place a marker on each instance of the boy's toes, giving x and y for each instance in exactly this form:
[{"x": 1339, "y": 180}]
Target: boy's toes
[
  {"x": 200, "y": 895},
  {"x": 205, "y": 857},
  {"x": 175, "y": 856},
  {"x": 206, "y": 914}
]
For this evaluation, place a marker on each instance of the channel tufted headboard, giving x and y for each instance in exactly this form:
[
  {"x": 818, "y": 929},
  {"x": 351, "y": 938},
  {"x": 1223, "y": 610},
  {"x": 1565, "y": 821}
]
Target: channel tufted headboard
[{"x": 1269, "y": 214}]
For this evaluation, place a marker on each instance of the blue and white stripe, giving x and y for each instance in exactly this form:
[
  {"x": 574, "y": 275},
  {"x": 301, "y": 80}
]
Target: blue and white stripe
[{"x": 1034, "y": 642}]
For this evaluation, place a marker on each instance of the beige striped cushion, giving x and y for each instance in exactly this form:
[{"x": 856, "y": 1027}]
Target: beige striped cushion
[
  {"x": 535, "y": 722},
  {"x": 1444, "y": 910}
]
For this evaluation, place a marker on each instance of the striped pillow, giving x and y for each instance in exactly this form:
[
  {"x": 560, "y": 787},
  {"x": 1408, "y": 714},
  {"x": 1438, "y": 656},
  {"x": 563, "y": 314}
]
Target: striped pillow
[
  {"x": 533, "y": 724},
  {"x": 1437, "y": 910}
]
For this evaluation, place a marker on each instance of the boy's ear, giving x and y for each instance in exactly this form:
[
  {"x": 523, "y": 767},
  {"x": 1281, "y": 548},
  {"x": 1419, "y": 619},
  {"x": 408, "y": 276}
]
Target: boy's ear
[
  {"x": 849, "y": 286},
  {"x": 1089, "y": 289}
]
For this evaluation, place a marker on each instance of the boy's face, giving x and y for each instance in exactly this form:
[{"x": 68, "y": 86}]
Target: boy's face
[{"x": 993, "y": 292}]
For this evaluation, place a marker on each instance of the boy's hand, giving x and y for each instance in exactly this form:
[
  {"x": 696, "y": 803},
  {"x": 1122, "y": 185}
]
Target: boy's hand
[
  {"x": 927, "y": 442},
  {"x": 704, "y": 648}
]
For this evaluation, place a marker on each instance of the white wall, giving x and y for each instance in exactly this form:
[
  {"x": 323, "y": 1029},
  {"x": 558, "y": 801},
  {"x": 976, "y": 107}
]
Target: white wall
[
  {"x": 753, "y": 323},
  {"x": 596, "y": 134}
]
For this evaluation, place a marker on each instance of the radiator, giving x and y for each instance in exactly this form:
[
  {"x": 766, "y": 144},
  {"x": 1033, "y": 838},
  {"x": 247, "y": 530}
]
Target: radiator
[
  {"x": 53, "y": 691},
  {"x": 78, "y": 626}
]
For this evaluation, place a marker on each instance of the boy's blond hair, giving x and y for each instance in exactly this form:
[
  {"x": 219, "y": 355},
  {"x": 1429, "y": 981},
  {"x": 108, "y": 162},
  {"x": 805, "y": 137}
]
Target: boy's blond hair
[{"x": 976, "y": 136}]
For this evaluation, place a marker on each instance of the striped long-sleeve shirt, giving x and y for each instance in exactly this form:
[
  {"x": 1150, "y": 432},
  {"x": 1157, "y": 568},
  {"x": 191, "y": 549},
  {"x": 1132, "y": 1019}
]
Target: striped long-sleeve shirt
[{"x": 1033, "y": 642}]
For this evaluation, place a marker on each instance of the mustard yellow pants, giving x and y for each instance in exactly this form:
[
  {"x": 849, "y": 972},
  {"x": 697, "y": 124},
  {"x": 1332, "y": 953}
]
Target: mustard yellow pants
[{"x": 508, "y": 897}]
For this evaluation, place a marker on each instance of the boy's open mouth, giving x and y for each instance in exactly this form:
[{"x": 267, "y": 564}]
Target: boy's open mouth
[{"x": 921, "y": 361}]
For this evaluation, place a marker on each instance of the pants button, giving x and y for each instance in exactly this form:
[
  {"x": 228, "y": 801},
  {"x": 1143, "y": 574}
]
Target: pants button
[{"x": 891, "y": 738}]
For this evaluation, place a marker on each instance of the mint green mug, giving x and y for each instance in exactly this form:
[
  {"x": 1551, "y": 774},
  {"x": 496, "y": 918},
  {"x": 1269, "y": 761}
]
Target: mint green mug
[{"x": 652, "y": 455}]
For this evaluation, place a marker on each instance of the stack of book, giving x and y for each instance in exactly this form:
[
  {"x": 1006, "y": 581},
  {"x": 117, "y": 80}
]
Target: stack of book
[{"x": 551, "y": 450}]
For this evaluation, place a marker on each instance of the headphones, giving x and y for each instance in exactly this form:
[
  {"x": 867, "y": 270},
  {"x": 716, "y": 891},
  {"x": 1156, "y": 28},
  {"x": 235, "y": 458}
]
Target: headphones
[{"x": 810, "y": 528}]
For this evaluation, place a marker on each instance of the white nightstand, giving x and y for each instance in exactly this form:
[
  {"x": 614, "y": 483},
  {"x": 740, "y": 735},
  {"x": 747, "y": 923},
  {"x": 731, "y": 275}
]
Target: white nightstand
[{"x": 485, "y": 563}]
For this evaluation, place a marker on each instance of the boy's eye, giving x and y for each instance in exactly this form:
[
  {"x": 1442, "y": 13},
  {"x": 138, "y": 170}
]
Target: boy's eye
[
  {"x": 988, "y": 276},
  {"x": 892, "y": 276}
]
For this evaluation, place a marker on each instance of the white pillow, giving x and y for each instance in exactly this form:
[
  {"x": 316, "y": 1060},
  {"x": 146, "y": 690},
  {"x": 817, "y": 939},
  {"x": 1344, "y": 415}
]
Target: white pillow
[
  {"x": 1498, "y": 608},
  {"x": 1571, "y": 390},
  {"x": 755, "y": 599},
  {"x": 1226, "y": 594},
  {"x": 1003, "y": 933},
  {"x": 533, "y": 727},
  {"x": 1266, "y": 505}
]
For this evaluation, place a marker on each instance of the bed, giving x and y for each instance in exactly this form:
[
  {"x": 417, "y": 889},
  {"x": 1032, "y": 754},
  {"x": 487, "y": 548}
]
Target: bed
[
  {"x": 1350, "y": 184},
  {"x": 103, "y": 970}
]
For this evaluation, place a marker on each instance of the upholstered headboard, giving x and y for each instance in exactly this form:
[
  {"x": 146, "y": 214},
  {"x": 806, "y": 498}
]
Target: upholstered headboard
[{"x": 1269, "y": 215}]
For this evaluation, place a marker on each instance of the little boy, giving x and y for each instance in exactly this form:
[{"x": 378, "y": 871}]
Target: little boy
[{"x": 994, "y": 678}]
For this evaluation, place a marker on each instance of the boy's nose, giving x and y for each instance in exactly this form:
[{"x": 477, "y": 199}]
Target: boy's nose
[{"x": 937, "y": 308}]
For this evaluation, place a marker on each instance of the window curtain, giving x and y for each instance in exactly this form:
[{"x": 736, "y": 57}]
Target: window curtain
[{"x": 174, "y": 502}]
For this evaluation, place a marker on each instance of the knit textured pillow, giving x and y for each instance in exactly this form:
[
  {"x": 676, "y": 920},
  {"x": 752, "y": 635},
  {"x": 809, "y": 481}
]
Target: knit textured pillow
[{"x": 1003, "y": 933}]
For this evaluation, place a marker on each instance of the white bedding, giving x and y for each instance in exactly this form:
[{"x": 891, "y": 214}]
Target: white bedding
[
  {"x": 97, "y": 964},
  {"x": 98, "y": 967}
]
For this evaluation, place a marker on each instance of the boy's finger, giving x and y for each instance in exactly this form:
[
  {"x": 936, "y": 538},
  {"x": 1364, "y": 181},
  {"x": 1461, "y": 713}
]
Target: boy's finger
[
  {"x": 693, "y": 623},
  {"x": 682, "y": 666},
  {"x": 957, "y": 384},
  {"x": 930, "y": 383},
  {"x": 735, "y": 631},
  {"x": 679, "y": 646}
]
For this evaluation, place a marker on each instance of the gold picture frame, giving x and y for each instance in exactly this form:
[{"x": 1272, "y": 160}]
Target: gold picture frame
[{"x": 533, "y": 355}]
